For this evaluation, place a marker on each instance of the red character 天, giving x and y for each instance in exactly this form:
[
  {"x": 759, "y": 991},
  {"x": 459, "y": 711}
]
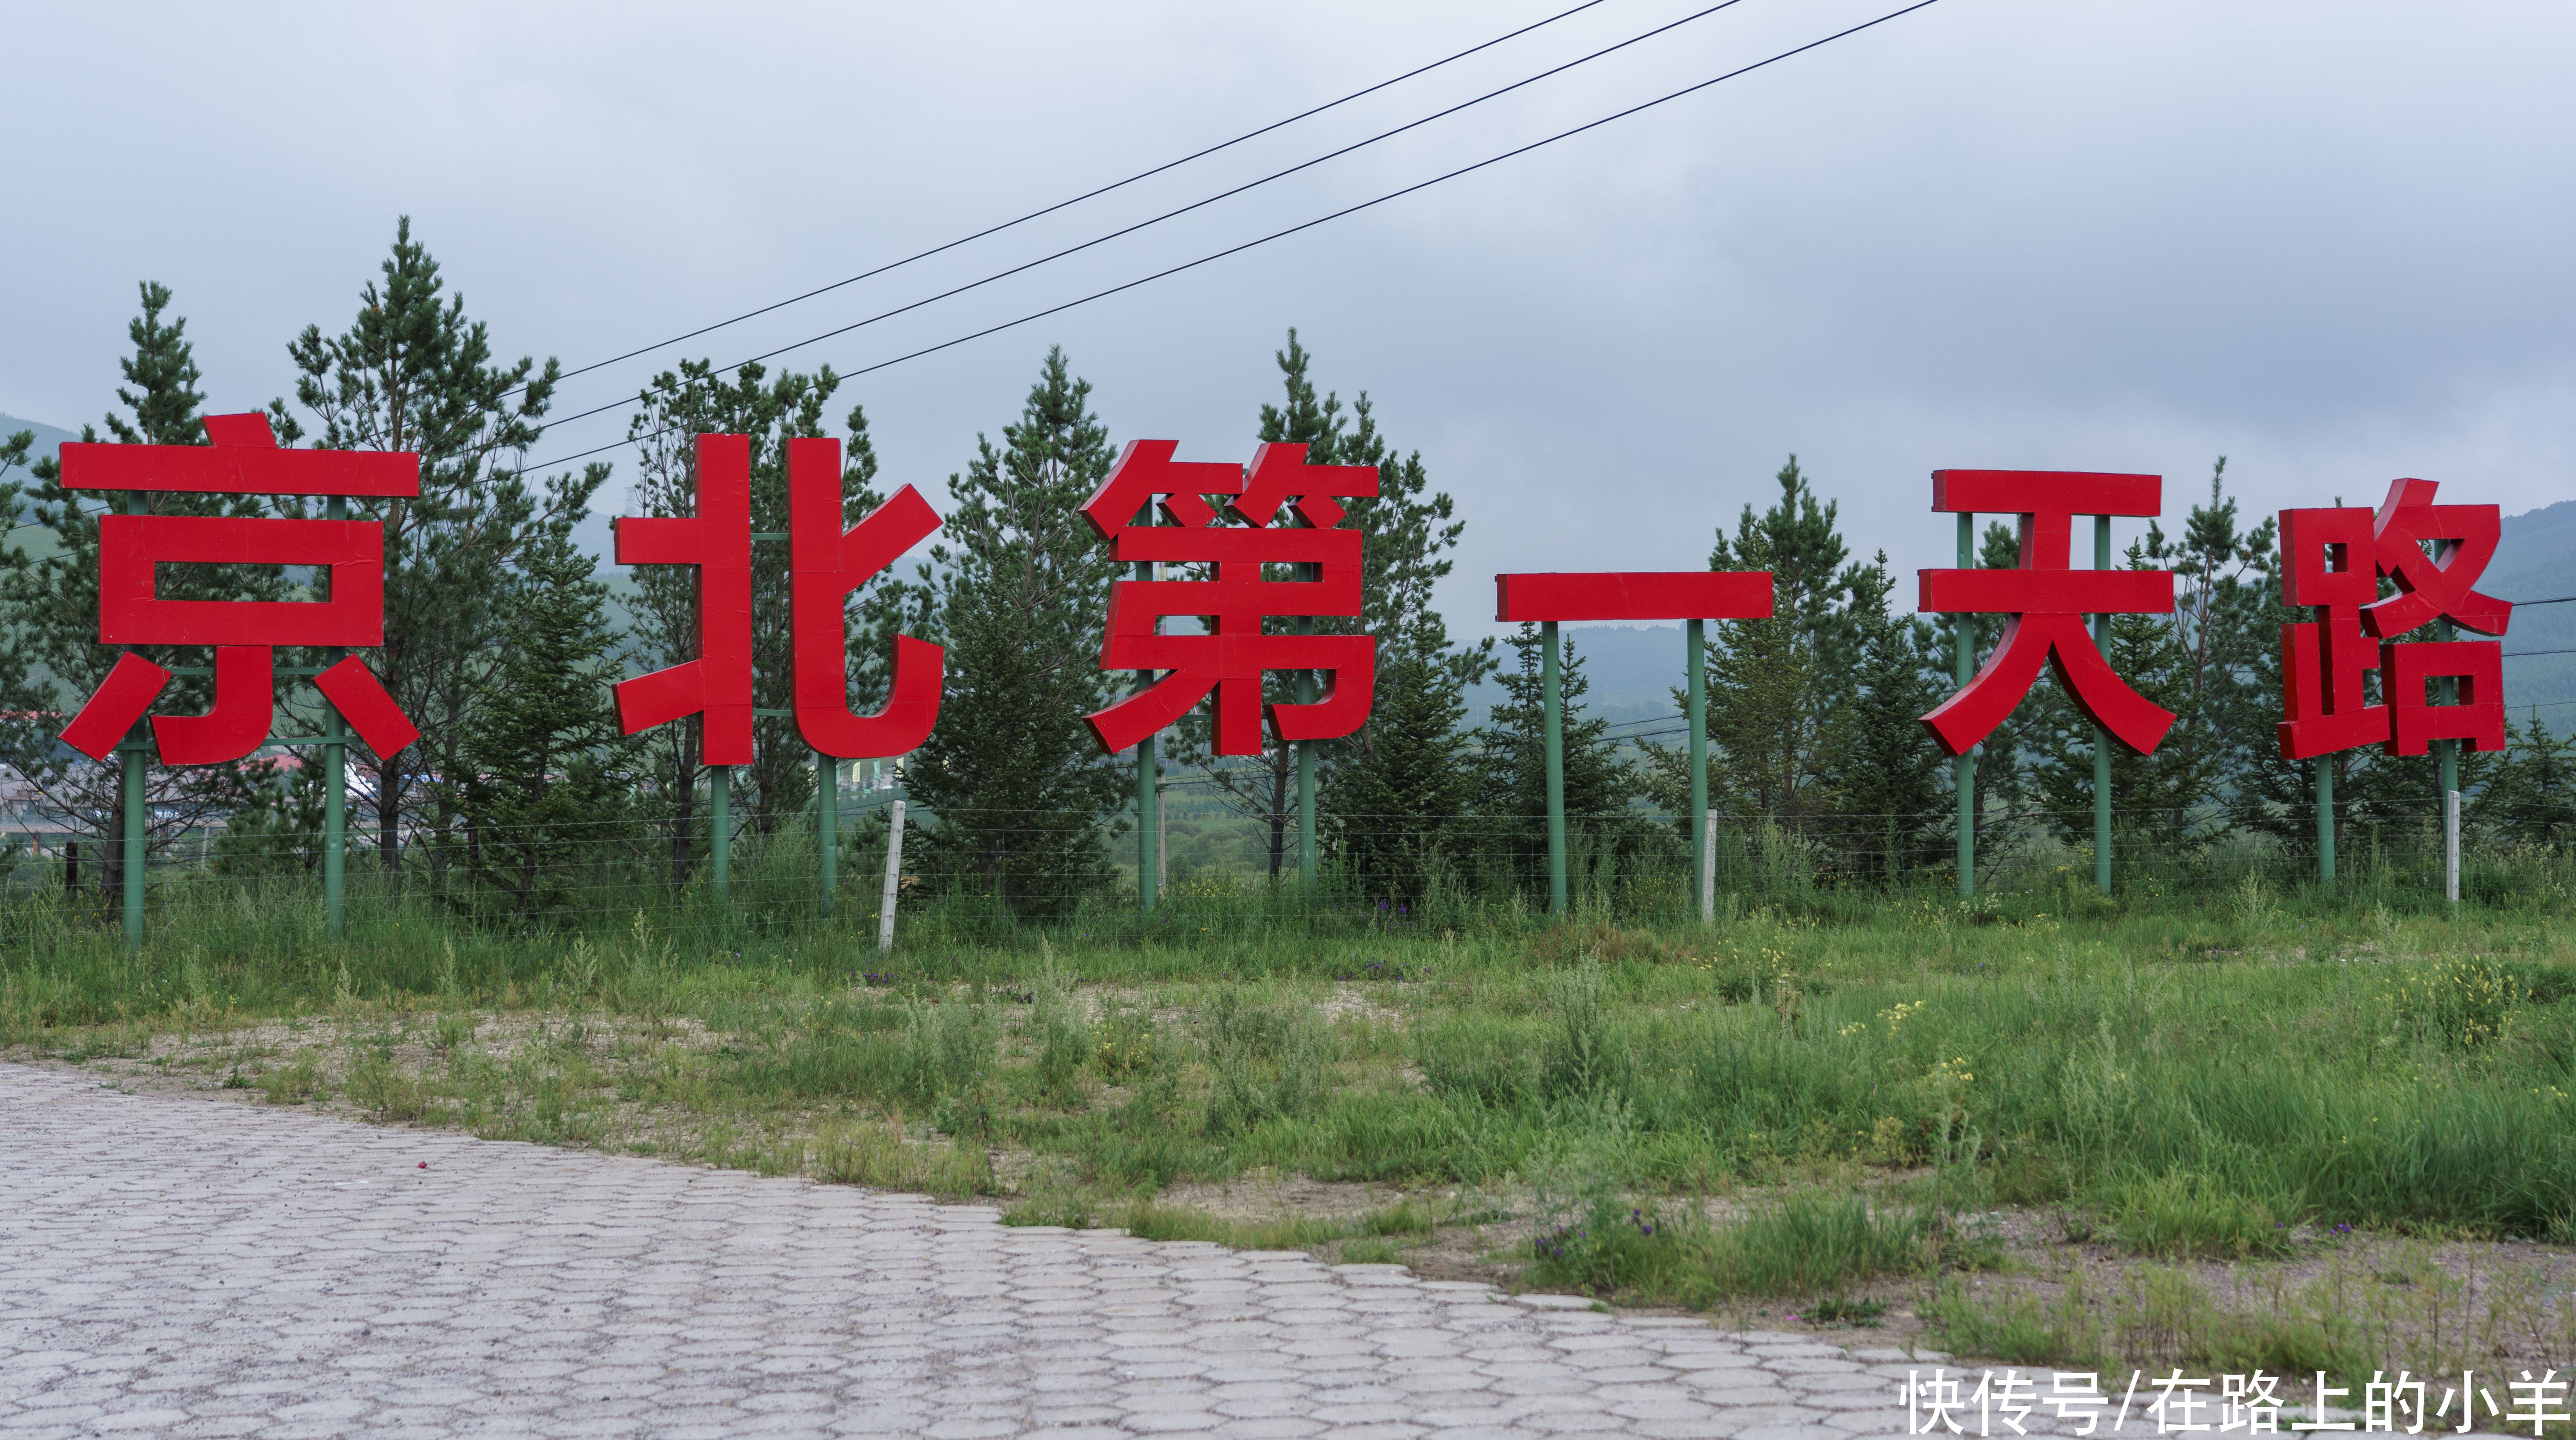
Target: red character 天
[
  {"x": 825, "y": 563},
  {"x": 244, "y": 459},
  {"x": 1231, "y": 656},
  {"x": 2331, "y": 562},
  {"x": 2047, "y": 601}
]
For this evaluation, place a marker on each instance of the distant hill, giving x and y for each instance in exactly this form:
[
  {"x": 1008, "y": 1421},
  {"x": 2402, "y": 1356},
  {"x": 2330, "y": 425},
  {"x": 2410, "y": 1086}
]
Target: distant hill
[{"x": 49, "y": 439}]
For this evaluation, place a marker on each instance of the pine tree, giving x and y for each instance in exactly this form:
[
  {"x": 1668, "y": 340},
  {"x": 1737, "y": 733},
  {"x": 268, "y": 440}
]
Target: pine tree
[
  {"x": 413, "y": 374},
  {"x": 2202, "y": 663},
  {"x": 675, "y": 409},
  {"x": 547, "y": 786},
  {"x": 2530, "y": 796},
  {"x": 1409, "y": 530},
  {"x": 1891, "y": 783},
  {"x": 1017, "y": 588},
  {"x": 1600, "y": 788},
  {"x": 52, "y": 604},
  {"x": 1392, "y": 804},
  {"x": 1776, "y": 685}
]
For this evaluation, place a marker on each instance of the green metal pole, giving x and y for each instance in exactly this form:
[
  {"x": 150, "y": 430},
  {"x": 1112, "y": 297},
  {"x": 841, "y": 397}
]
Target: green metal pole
[
  {"x": 1964, "y": 768},
  {"x": 1149, "y": 780},
  {"x": 2449, "y": 752},
  {"x": 335, "y": 786},
  {"x": 2102, "y": 737},
  {"x": 1694, "y": 643},
  {"x": 1149, "y": 801},
  {"x": 136, "y": 836},
  {"x": 719, "y": 816},
  {"x": 134, "y": 842},
  {"x": 1552, "y": 711},
  {"x": 1306, "y": 777},
  {"x": 827, "y": 824},
  {"x": 2325, "y": 821}
]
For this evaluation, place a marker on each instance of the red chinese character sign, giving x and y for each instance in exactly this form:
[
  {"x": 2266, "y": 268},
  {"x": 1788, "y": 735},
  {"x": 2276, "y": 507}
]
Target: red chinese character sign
[
  {"x": 244, "y": 459},
  {"x": 2332, "y": 561},
  {"x": 825, "y": 563},
  {"x": 1235, "y": 649},
  {"x": 2047, "y": 601}
]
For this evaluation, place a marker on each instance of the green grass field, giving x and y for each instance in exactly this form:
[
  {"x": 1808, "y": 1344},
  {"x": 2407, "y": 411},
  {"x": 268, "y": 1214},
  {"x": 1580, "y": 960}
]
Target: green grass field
[{"x": 1824, "y": 1110}]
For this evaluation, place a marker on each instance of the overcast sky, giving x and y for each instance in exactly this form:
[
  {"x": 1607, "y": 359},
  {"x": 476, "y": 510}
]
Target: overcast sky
[{"x": 2329, "y": 241}]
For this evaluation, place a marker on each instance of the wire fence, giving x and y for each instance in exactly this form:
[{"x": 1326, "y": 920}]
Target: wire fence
[{"x": 983, "y": 878}]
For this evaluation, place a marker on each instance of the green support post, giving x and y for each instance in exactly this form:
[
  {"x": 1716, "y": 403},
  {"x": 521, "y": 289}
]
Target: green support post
[
  {"x": 1964, "y": 768},
  {"x": 1306, "y": 780},
  {"x": 2325, "y": 821},
  {"x": 2448, "y": 691},
  {"x": 2102, "y": 737},
  {"x": 1552, "y": 712},
  {"x": 135, "y": 832},
  {"x": 335, "y": 786},
  {"x": 1149, "y": 803},
  {"x": 1149, "y": 779},
  {"x": 720, "y": 819},
  {"x": 1694, "y": 644},
  {"x": 827, "y": 823},
  {"x": 135, "y": 840}
]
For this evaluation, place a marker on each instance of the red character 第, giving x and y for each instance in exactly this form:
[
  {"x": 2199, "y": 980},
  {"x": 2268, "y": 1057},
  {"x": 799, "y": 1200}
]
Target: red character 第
[
  {"x": 2047, "y": 601},
  {"x": 826, "y": 563},
  {"x": 244, "y": 459},
  {"x": 2331, "y": 562},
  {"x": 1231, "y": 655}
]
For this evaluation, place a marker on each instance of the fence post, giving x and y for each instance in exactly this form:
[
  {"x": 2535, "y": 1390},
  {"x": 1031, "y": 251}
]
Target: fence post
[
  {"x": 1708, "y": 867},
  {"x": 2325, "y": 821},
  {"x": 2451, "y": 846},
  {"x": 1695, "y": 657},
  {"x": 1552, "y": 726},
  {"x": 2102, "y": 737},
  {"x": 827, "y": 823},
  {"x": 1964, "y": 767},
  {"x": 894, "y": 874}
]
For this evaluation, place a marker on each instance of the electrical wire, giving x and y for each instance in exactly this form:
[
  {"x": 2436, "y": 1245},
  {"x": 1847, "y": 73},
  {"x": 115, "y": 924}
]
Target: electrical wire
[
  {"x": 1202, "y": 204},
  {"x": 1086, "y": 195},
  {"x": 1347, "y": 210}
]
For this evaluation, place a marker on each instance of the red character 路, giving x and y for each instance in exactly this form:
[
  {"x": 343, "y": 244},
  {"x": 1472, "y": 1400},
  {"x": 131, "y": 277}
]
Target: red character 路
[
  {"x": 2047, "y": 601},
  {"x": 826, "y": 563},
  {"x": 244, "y": 459},
  {"x": 1233, "y": 652},
  {"x": 2331, "y": 562}
]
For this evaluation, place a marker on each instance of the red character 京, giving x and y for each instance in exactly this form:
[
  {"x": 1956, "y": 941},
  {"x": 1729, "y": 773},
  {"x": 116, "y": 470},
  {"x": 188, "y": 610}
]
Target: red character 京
[
  {"x": 2331, "y": 562},
  {"x": 244, "y": 459},
  {"x": 2047, "y": 601},
  {"x": 825, "y": 564},
  {"x": 1230, "y": 657}
]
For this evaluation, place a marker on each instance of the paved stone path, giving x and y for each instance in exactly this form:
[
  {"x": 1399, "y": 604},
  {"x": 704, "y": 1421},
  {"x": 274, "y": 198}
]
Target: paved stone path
[{"x": 193, "y": 1268}]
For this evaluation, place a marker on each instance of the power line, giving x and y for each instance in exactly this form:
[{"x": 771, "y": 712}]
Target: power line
[
  {"x": 1147, "y": 224},
  {"x": 1086, "y": 195},
  {"x": 2513, "y": 654},
  {"x": 1319, "y": 220}
]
